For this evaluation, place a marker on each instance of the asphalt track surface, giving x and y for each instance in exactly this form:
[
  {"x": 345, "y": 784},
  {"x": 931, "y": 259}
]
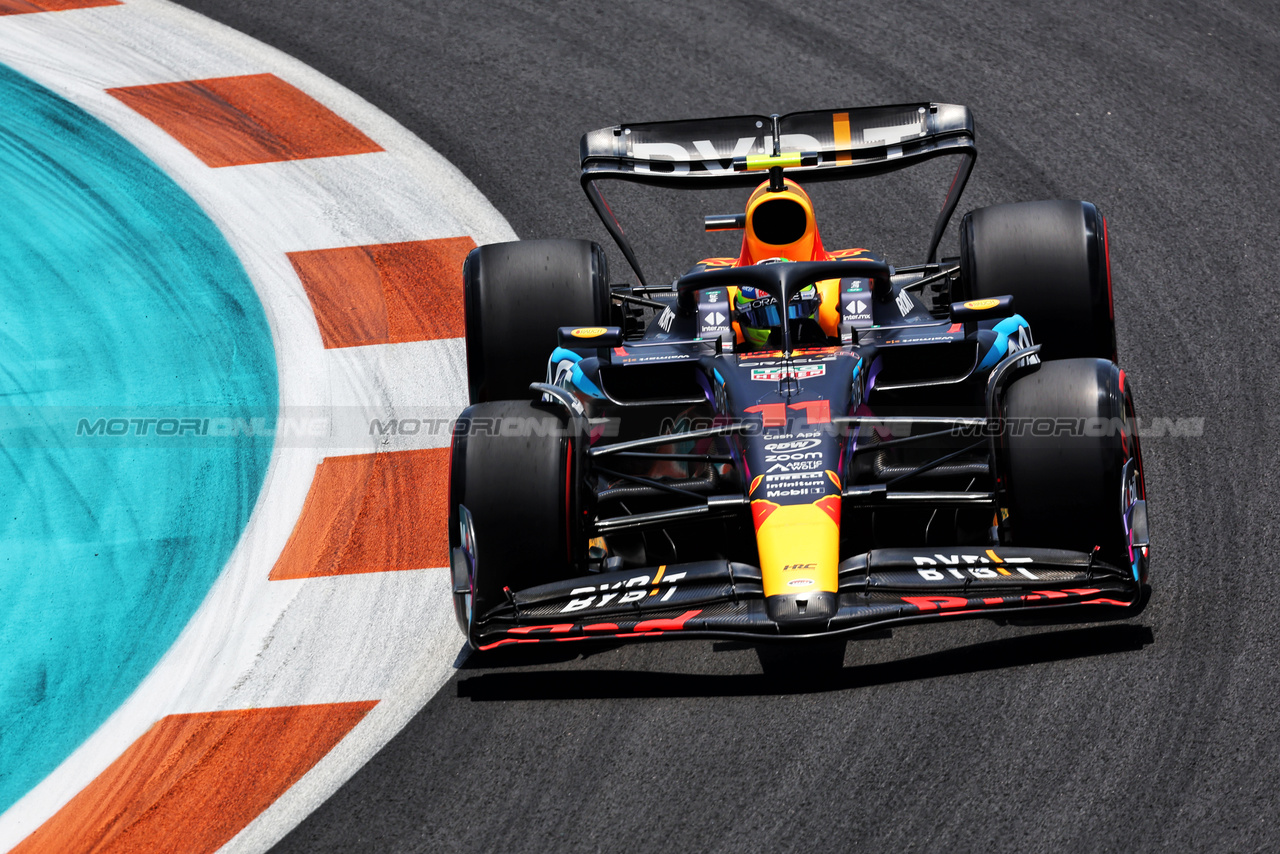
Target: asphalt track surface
[{"x": 1159, "y": 733}]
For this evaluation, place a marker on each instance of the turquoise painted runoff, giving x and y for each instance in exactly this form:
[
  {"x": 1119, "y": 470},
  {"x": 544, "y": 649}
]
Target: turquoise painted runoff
[{"x": 120, "y": 300}]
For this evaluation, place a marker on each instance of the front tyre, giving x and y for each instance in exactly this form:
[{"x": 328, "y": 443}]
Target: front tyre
[
  {"x": 1070, "y": 464},
  {"x": 513, "y": 503}
]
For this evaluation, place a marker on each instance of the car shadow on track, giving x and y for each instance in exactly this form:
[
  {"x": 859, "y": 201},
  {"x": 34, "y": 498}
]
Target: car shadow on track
[{"x": 789, "y": 673}]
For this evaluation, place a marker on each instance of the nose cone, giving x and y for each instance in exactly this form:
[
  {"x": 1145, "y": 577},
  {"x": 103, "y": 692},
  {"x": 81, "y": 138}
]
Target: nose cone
[{"x": 799, "y": 551}]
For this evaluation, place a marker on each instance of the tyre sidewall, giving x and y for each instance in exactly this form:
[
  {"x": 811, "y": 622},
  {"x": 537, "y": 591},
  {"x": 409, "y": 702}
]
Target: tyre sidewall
[
  {"x": 513, "y": 469},
  {"x": 1068, "y": 432}
]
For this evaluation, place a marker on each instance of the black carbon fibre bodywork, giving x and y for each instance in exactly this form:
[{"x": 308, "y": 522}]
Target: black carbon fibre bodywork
[{"x": 724, "y": 599}]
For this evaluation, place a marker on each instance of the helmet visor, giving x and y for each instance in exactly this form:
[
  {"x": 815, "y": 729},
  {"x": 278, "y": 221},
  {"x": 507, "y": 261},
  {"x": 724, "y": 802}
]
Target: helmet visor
[{"x": 763, "y": 313}]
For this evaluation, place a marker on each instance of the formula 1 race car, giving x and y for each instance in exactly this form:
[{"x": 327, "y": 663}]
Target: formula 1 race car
[{"x": 795, "y": 442}]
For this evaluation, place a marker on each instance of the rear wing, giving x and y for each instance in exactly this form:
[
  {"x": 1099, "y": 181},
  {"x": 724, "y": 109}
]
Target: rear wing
[{"x": 853, "y": 143}]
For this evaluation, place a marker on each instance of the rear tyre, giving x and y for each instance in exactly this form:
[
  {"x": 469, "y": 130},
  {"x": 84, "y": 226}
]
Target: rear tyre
[
  {"x": 1069, "y": 432},
  {"x": 512, "y": 502},
  {"x": 1051, "y": 256},
  {"x": 517, "y": 295}
]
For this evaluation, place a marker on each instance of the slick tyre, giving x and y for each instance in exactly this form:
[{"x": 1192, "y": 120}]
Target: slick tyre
[
  {"x": 1051, "y": 257},
  {"x": 516, "y": 296},
  {"x": 512, "y": 502},
  {"x": 1069, "y": 430}
]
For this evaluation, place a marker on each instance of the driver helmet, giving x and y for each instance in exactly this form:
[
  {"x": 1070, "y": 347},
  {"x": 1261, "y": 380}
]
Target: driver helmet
[{"x": 760, "y": 320}]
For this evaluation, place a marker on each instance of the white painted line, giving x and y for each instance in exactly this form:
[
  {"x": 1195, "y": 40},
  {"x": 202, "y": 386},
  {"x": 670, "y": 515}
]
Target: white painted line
[
  {"x": 253, "y": 642},
  {"x": 423, "y": 382}
]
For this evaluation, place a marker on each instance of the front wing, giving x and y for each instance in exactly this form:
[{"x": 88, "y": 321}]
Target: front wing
[{"x": 885, "y": 587}]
